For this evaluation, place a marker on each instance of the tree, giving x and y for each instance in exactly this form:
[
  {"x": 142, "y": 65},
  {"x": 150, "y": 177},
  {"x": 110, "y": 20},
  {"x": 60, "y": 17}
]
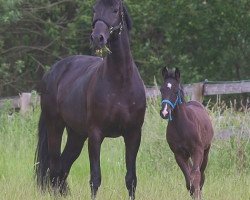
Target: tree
[
  {"x": 205, "y": 39},
  {"x": 37, "y": 35}
]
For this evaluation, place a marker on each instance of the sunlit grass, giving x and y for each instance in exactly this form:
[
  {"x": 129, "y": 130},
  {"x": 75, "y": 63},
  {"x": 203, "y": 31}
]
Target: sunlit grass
[{"x": 159, "y": 177}]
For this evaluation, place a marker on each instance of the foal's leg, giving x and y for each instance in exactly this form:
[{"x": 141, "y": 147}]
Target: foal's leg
[
  {"x": 184, "y": 164},
  {"x": 55, "y": 131},
  {"x": 132, "y": 141},
  {"x": 94, "y": 147},
  {"x": 203, "y": 166},
  {"x": 70, "y": 153},
  {"x": 195, "y": 175}
]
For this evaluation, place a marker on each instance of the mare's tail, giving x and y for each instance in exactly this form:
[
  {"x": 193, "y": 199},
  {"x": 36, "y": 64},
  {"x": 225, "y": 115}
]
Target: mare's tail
[{"x": 41, "y": 155}]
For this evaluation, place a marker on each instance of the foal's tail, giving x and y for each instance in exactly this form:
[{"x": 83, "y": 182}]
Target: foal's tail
[{"x": 41, "y": 155}]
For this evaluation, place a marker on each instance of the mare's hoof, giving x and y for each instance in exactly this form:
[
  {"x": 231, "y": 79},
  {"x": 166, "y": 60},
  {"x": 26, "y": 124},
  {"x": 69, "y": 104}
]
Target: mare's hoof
[{"x": 131, "y": 198}]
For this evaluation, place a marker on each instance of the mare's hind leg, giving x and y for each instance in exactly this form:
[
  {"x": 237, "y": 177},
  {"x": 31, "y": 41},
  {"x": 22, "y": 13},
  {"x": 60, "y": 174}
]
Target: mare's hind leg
[
  {"x": 70, "y": 153},
  {"x": 55, "y": 132},
  {"x": 184, "y": 164},
  {"x": 203, "y": 166},
  {"x": 132, "y": 141}
]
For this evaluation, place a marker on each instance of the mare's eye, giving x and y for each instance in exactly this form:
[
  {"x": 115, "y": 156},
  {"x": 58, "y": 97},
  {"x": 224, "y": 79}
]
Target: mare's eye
[{"x": 115, "y": 11}]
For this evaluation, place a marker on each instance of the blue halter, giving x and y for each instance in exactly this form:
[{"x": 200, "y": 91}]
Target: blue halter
[{"x": 178, "y": 101}]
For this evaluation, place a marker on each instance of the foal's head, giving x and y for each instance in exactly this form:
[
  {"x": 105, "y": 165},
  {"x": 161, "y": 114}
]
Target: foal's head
[
  {"x": 171, "y": 92},
  {"x": 110, "y": 19}
]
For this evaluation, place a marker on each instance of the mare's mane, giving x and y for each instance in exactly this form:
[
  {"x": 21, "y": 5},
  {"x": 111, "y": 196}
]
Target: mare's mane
[{"x": 127, "y": 17}]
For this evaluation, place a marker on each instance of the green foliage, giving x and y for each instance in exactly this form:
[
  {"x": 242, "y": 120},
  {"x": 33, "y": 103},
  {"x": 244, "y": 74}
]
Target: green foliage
[
  {"x": 9, "y": 11},
  {"x": 43, "y": 32},
  {"x": 205, "y": 39}
]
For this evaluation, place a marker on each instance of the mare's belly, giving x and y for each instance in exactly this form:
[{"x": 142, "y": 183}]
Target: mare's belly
[{"x": 120, "y": 121}]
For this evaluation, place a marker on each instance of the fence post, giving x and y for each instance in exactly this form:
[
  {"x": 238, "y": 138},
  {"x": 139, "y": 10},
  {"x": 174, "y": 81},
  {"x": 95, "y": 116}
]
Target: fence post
[
  {"x": 197, "y": 92},
  {"x": 25, "y": 103}
]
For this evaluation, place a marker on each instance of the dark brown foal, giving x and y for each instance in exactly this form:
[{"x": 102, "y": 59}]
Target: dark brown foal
[{"x": 189, "y": 131}]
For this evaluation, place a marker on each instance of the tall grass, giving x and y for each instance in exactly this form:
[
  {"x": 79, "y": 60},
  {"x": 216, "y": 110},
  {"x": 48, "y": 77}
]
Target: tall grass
[{"x": 227, "y": 174}]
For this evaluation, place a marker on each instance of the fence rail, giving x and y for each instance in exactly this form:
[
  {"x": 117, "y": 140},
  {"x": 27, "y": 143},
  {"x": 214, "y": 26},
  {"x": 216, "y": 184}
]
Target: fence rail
[
  {"x": 195, "y": 91},
  {"x": 236, "y": 87}
]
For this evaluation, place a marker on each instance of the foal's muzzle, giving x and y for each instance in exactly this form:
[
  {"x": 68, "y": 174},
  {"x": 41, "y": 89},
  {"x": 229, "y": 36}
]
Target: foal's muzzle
[
  {"x": 165, "y": 111},
  {"x": 100, "y": 35}
]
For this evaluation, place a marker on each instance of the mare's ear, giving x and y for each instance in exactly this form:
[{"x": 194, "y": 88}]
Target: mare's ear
[
  {"x": 177, "y": 74},
  {"x": 164, "y": 72}
]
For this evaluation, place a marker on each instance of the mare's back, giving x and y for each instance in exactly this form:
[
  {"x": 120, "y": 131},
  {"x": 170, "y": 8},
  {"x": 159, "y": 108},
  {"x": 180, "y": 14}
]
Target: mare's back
[
  {"x": 65, "y": 88},
  {"x": 68, "y": 70}
]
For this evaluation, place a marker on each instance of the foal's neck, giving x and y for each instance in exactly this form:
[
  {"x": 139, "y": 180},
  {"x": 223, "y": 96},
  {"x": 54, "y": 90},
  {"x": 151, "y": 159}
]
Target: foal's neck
[
  {"x": 180, "y": 115},
  {"x": 119, "y": 63}
]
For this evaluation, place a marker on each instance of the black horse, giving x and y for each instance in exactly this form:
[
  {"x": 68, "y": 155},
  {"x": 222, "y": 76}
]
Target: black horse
[{"x": 92, "y": 98}]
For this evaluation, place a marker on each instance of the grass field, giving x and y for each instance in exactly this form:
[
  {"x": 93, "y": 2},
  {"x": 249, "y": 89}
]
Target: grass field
[{"x": 159, "y": 178}]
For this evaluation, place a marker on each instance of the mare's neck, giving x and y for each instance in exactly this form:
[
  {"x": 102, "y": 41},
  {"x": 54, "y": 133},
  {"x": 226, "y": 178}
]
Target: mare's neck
[{"x": 119, "y": 63}]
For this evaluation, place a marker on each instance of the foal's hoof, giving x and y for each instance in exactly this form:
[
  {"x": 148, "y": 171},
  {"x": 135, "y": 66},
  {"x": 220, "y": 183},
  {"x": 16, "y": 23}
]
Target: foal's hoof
[
  {"x": 191, "y": 190},
  {"x": 196, "y": 195}
]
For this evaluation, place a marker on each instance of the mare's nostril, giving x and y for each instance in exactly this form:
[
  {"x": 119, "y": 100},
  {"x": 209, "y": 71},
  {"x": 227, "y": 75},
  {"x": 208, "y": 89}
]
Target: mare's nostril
[
  {"x": 97, "y": 38},
  {"x": 101, "y": 38},
  {"x": 91, "y": 37}
]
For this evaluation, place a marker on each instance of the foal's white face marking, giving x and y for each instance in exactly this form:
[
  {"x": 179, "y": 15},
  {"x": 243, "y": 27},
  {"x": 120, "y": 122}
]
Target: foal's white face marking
[{"x": 165, "y": 112}]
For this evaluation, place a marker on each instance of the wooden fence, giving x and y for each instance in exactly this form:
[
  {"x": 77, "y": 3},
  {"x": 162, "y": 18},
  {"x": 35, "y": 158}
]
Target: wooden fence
[
  {"x": 195, "y": 91},
  {"x": 24, "y": 102}
]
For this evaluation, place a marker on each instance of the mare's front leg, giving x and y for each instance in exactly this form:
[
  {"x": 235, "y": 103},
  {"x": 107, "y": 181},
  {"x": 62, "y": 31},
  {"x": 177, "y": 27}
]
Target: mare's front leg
[
  {"x": 70, "y": 153},
  {"x": 132, "y": 141},
  {"x": 94, "y": 147}
]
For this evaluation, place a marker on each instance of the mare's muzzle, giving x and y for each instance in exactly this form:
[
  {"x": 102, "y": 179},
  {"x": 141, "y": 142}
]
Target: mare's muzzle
[{"x": 100, "y": 34}]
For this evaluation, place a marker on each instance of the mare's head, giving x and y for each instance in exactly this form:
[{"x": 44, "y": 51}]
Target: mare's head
[
  {"x": 171, "y": 92},
  {"x": 110, "y": 19}
]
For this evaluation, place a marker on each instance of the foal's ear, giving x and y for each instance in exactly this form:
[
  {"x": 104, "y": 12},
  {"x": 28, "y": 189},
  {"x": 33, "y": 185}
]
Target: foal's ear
[
  {"x": 164, "y": 72},
  {"x": 177, "y": 74}
]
